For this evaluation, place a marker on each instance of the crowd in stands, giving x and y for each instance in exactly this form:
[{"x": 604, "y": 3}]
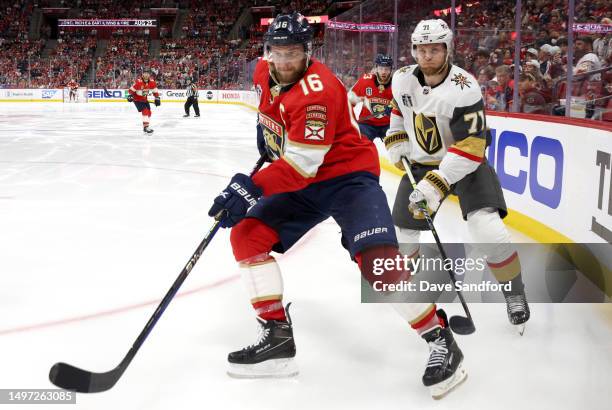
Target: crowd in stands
[
  {"x": 490, "y": 56},
  {"x": 15, "y": 22},
  {"x": 15, "y": 55},
  {"x": 212, "y": 19},
  {"x": 484, "y": 45}
]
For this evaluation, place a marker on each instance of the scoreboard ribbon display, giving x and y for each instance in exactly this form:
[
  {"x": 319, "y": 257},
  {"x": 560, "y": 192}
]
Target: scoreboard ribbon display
[{"x": 107, "y": 23}]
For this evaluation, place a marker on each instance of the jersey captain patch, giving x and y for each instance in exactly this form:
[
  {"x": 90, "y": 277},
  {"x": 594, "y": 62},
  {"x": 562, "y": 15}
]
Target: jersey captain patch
[
  {"x": 461, "y": 80},
  {"x": 427, "y": 134}
]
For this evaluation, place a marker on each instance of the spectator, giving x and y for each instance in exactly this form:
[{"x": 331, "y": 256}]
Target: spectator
[
  {"x": 532, "y": 101},
  {"x": 587, "y": 60},
  {"x": 500, "y": 97}
]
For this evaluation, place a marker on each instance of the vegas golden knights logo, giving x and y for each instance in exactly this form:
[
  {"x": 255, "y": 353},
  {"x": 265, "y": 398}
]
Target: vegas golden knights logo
[{"x": 427, "y": 134}]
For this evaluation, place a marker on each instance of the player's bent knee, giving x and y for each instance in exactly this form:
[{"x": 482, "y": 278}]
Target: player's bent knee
[
  {"x": 486, "y": 226},
  {"x": 382, "y": 263},
  {"x": 251, "y": 238}
]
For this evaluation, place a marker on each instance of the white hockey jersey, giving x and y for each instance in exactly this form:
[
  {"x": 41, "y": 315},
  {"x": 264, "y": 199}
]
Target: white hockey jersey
[{"x": 445, "y": 124}]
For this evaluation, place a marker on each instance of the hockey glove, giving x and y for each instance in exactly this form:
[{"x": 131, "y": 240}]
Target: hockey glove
[
  {"x": 157, "y": 102},
  {"x": 130, "y": 98},
  {"x": 261, "y": 144},
  {"x": 236, "y": 199},
  {"x": 429, "y": 192},
  {"x": 398, "y": 146}
]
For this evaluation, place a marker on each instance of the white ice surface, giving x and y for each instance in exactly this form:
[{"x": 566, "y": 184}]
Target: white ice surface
[{"x": 97, "y": 220}]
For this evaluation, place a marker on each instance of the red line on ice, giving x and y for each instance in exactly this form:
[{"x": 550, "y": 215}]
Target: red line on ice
[{"x": 111, "y": 312}]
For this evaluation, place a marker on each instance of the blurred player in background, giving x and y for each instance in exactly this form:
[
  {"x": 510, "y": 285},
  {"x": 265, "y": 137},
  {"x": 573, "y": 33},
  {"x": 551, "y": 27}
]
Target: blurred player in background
[
  {"x": 374, "y": 91},
  {"x": 192, "y": 99},
  {"x": 139, "y": 95},
  {"x": 321, "y": 167},
  {"x": 438, "y": 124},
  {"x": 73, "y": 87}
]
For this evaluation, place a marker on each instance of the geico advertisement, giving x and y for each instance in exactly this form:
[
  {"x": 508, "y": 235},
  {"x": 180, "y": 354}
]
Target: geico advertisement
[
  {"x": 106, "y": 94},
  {"x": 558, "y": 174}
]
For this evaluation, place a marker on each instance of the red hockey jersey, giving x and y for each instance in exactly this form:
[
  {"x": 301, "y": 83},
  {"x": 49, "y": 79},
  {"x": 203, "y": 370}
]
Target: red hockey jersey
[
  {"x": 141, "y": 89},
  {"x": 311, "y": 131},
  {"x": 72, "y": 85},
  {"x": 379, "y": 97}
]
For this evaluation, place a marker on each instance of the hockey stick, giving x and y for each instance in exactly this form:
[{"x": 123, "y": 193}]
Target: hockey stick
[
  {"x": 459, "y": 324},
  {"x": 72, "y": 378}
]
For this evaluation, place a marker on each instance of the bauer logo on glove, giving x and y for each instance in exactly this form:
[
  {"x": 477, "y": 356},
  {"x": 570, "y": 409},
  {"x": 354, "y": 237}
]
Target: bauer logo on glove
[{"x": 236, "y": 199}]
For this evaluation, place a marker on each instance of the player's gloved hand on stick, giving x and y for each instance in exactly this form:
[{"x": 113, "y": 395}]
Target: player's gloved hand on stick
[
  {"x": 429, "y": 192},
  {"x": 157, "y": 102},
  {"x": 398, "y": 146},
  {"x": 261, "y": 144},
  {"x": 236, "y": 199},
  {"x": 130, "y": 98}
]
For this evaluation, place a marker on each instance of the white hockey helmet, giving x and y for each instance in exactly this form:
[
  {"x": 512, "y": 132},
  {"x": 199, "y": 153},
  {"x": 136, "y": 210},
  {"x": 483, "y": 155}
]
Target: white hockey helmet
[{"x": 432, "y": 32}]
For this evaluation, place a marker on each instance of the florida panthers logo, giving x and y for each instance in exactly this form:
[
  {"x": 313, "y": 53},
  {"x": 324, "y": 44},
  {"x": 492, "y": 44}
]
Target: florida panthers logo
[{"x": 274, "y": 136}]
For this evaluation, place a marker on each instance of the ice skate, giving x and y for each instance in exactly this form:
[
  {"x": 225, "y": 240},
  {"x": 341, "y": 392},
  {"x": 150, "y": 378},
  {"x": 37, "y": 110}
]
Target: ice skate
[
  {"x": 518, "y": 310},
  {"x": 272, "y": 355},
  {"x": 444, "y": 369}
]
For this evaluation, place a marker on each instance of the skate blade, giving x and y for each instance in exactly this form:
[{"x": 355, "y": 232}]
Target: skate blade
[
  {"x": 520, "y": 328},
  {"x": 441, "y": 389},
  {"x": 275, "y": 368}
]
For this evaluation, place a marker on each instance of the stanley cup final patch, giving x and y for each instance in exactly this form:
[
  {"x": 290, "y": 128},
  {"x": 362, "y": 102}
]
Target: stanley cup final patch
[{"x": 316, "y": 120}]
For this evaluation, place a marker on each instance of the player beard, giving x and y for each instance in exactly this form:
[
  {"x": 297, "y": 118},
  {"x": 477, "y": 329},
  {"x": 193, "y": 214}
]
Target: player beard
[{"x": 431, "y": 70}]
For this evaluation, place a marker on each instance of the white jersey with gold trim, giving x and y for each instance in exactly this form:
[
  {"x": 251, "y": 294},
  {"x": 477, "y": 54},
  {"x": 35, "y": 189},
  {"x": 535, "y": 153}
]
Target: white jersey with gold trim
[{"x": 445, "y": 124}]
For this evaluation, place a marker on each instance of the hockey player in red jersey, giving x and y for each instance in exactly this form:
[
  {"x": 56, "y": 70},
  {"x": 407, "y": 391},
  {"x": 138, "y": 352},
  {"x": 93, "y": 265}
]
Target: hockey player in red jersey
[
  {"x": 73, "y": 86},
  {"x": 139, "y": 93},
  {"x": 321, "y": 167},
  {"x": 374, "y": 91}
]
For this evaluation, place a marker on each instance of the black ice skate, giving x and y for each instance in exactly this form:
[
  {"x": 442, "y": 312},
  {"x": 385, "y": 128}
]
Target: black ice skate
[
  {"x": 444, "y": 369},
  {"x": 197, "y": 115},
  {"x": 518, "y": 309},
  {"x": 272, "y": 355},
  {"x": 186, "y": 115},
  {"x": 147, "y": 130}
]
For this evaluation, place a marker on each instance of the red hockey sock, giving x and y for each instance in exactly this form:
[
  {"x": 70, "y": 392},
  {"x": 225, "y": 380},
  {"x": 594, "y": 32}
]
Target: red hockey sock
[
  {"x": 429, "y": 321},
  {"x": 270, "y": 309}
]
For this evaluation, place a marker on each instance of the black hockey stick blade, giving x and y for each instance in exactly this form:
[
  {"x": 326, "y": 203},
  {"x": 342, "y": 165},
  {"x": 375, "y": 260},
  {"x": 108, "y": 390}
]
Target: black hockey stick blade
[
  {"x": 69, "y": 377},
  {"x": 462, "y": 325}
]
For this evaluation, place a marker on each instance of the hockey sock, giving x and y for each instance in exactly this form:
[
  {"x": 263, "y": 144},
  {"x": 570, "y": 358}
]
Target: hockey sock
[
  {"x": 252, "y": 242},
  {"x": 516, "y": 283},
  {"x": 493, "y": 239},
  {"x": 146, "y": 115},
  {"x": 262, "y": 278},
  {"x": 409, "y": 238},
  {"x": 506, "y": 270},
  {"x": 380, "y": 263},
  {"x": 270, "y": 310},
  {"x": 420, "y": 316},
  {"x": 427, "y": 321}
]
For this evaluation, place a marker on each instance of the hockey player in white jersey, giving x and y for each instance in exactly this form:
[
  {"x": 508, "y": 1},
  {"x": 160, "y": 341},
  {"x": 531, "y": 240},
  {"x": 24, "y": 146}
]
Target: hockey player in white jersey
[{"x": 438, "y": 124}]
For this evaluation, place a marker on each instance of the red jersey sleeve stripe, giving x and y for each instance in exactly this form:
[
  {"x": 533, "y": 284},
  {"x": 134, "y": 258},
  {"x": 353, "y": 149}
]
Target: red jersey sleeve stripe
[{"x": 465, "y": 154}]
